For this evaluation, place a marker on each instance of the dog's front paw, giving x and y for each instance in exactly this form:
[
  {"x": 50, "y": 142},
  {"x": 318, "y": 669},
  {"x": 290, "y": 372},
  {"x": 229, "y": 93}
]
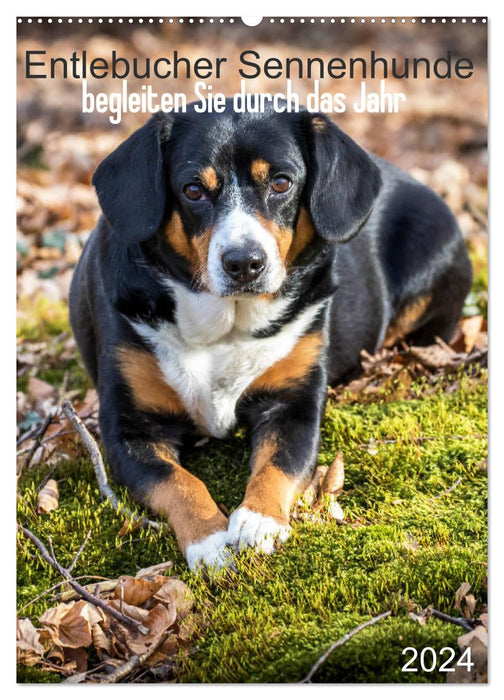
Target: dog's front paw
[
  {"x": 211, "y": 553},
  {"x": 247, "y": 528}
]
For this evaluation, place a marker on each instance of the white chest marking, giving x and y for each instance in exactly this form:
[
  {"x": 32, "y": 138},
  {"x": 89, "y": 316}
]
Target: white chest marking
[{"x": 209, "y": 356}]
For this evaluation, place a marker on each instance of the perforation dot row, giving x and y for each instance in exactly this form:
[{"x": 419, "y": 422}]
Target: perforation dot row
[{"x": 231, "y": 20}]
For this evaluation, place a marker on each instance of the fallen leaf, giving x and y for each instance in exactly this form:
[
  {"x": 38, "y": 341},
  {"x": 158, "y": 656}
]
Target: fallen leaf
[
  {"x": 422, "y": 617},
  {"x": 128, "y": 526},
  {"x": 69, "y": 624},
  {"x": 460, "y": 594},
  {"x": 158, "y": 621},
  {"x": 335, "y": 511},
  {"x": 48, "y": 497},
  {"x": 154, "y": 569},
  {"x": 29, "y": 649},
  {"x": 334, "y": 478},
  {"x": 39, "y": 391},
  {"x": 175, "y": 594},
  {"x": 477, "y": 641},
  {"x": 136, "y": 591},
  {"x": 434, "y": 356},
  {"x": 471, "y": 328}
]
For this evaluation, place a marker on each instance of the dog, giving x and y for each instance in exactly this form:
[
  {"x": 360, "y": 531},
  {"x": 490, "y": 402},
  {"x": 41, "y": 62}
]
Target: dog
[{"x": 242, "y": 262}]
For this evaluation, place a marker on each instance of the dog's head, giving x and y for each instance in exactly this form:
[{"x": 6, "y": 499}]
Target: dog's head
[{"x": 237, "y": 197}]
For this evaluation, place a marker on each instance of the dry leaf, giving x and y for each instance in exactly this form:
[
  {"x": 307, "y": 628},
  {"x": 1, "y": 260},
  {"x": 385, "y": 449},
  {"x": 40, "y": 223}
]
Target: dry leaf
[
  {"x": 129, "y": 525},
  {"x": 477, "y": 641},
  {"x": 29, "y": 650},
  {"x": 434, "y": 356},
  {"x": 158, "y": 620},
  {"x": 336, "y": 511},
  {"x": 421, "y": 617},
  {"x": 100, "y": 641},
  {"x": 175, "y": 594},
  {"x": 154, "y": 569},
  {"x": 69, "y": 624},
  {"x": 334, "y": 478},
  {"x": 68, "y": 660},
  {"x": 460, "y": 594},
  {"x": 136, "y": 591},
  {"x": 48, "y": 497},
  {"x": 471, "y": 328}
]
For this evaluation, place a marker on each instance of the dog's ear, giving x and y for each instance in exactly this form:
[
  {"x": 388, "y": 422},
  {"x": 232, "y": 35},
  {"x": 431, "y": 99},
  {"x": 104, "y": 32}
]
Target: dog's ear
[
  {"x": 131, "y": 184},
  {"x": 342, "y": 181}
]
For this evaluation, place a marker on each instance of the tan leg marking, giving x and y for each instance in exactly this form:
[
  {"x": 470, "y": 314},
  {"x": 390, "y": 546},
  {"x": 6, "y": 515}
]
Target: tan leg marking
[
  {"x": 407, "y": 320},
  {"x": 293, "y": 368},
  {"x": 303, "y": 236},
  {"x": 148, "y": 387},
  {"x": 270, "y": 491},
  {"x": 259, "y": 170},
  {"x": 209, "y": 178},
  {"x": 184, "y": 501}
]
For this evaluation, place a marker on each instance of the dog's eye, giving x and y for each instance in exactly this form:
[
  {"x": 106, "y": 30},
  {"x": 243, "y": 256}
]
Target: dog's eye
[
  {"x": 281, "y": 184},
  {"x": 193, "y": 191}
]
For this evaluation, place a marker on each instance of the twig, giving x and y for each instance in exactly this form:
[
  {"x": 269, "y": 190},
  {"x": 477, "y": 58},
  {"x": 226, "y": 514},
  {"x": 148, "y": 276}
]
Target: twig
[
  {"x": 97, "y": 460},
  {"x": 450, "y": 488},
  {"x": 422, "y": 438},
  {"x": 342, "y": 641},
  {"x": 135, "y": 661},
  {"x": 81, "y": 548},
  {"x": 77, "y": 587},
  {"x": 36, "y": 442},
  {"x": 52, "y": 588},
  {"x": 93, "y": 450},
  {"x": 460, "y": 621}
]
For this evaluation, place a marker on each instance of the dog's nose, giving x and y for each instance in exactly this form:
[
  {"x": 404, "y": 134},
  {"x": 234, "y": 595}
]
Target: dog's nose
[{"x": 244, "y": 264}]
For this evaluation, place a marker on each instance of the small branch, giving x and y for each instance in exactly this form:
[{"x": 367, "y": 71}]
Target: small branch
[
  {"x": 460, "y": 621},
  {"x": 81, "y": 549},
  {"x": 93, "y": 450},
  {"x": 342, "y": 641},
  {"x": 135, "y": 661},
  {"x": 99, "y": 467},
  {"x": 36, "y": 442},
  {"x": 450, "y": 488},
  {"x": 77, "y": 587},
  {"x": 53, "y": 588},
  {"x": 423, "y": 438}
]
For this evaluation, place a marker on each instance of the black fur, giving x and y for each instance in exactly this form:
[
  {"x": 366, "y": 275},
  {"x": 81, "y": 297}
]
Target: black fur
[{"x": 407, "y": 245}]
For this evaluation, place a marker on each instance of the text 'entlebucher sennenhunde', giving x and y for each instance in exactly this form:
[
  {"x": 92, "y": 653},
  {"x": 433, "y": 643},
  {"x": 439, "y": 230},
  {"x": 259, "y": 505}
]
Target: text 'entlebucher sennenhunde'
[{"x": 216, "y": 289}]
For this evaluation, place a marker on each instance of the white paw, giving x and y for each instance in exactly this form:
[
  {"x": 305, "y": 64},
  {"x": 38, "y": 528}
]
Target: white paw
[
  {"x": 247, "y": 528},
  {"x": 210, "y": 553}
]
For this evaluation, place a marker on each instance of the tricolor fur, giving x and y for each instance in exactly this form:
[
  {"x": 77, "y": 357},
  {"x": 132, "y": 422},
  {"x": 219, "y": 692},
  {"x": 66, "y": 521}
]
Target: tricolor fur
[{"x": 216, "y": 290}]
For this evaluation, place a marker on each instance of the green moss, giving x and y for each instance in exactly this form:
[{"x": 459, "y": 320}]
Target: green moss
[
  {"x": 41, "y": 317},
  {"x": 415, "y": 528}
]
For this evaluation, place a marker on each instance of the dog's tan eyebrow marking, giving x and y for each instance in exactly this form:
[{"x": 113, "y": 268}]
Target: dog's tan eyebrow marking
[
  {"x": 209, "y": 178},
  {"x": 259, "y": 170},
  {"x": 149, "y": 390},
  {"x": 293, "y": 368}
]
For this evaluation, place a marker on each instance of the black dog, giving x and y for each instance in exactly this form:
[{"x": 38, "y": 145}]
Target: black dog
[{"x": 215, "y": 289}]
